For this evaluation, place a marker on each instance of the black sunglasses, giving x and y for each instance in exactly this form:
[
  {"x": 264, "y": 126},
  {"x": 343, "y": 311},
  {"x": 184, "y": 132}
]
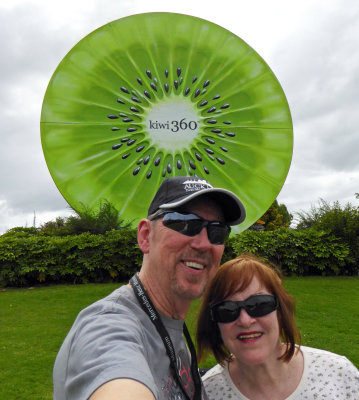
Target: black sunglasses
[
  {"x": 191, "y": 225},
  {"x": 256, "y": 306}
]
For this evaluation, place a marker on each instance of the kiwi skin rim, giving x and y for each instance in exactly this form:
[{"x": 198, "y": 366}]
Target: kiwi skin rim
[{"x": 95, "y": 117}]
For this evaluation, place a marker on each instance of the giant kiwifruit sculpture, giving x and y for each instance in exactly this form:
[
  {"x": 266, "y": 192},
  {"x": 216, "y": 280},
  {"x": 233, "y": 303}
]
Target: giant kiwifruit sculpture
[{"x": 160, "y": 94}]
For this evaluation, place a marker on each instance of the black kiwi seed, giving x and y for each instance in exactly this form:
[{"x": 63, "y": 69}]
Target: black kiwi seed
[
  {"x": 209, "y": 151},
  {"x": 220, "y": 160},
  {"x": 157, "y": 161},
  {"x": 125, "y": 155},
  {"x": 139, "y": 81},
  {"x": 153, "y": 86},
  {"x": 224, "y": 149},
  {"x": 126, "y": 139},
  {"x": 181, "y": 80},
  {"x": 146, "y": 160},
  {"x": 169, "y": 168},
  {"x": 148, "y": 72},
  {"x": 231, "y": 134},
  {"x": 148, "y": 176},
  {"x": 197, "y": 92},
  {"x": 116, "y": 146},
  {"x": 227, "y": 122},
  {"x": 124, "y": 90},
  {"x": 179, "y": 71},
  {"x": 179, "y": 165},
  {"x": 211, "y": 141},
  {"x": 147, "y": 94},
  {"x": 192, "y": 164},
  {"x": 120, "y": 101},
  {"x": 211, "y": 121},
  {"x": 176, "y": 83},
  {"x": 127, "y": 120},
  {"x": 187, "y": 90},
  {"x": 139, "y": 161},
  {"x": 136, "y": 170},
  {"x": 217, "y": 96},
  {"x": 225, "y": 106},
  {"x": 140, "y": 148},
  {"x": 166, "y": 87},
  {"x": 122, "y": 115},
  {"x": 216, "y": 130},
  {"x": 111, "y": 116},
  {"x": 114, "y": 128},
  {"x": 136, "y": 99},
  {"x": 203, "y": 103},
  {"x": 211, "y": 109},
  {"x": 132, "y": 141},
  {"x": 199, "y": 158},
  {"x": 206, "y": 83},
  {"x": 194, "y": 79},
  {"x": 131, "y": 129},
  {"x": 166, "y": 73},
  {"x": 205, "y": 170},
  {"x": 134, "y": 109}
]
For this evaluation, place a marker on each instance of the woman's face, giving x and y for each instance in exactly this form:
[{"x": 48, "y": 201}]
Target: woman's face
[{"x": 252, "y": 340}]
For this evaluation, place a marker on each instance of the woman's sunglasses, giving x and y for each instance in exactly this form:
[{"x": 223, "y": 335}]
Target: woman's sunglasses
[
  {"x": 191, "y": 225},
  {"x": 255, "y": 306}
]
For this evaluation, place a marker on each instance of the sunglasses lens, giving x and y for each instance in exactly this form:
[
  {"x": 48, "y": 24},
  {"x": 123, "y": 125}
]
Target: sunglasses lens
[
  {"x": 187, "y": 224},
  {"x": 260, "y": 305},
  {"x": 227, "y": 311},
  {"x": 218, "y": 232}
]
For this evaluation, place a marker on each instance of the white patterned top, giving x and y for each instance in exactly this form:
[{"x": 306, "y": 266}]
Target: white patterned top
[{"x": 326, "y": 376}]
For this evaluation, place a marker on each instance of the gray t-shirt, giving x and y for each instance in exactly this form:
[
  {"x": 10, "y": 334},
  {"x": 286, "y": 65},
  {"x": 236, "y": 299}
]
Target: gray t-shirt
[{"x": 113, "y": 338}]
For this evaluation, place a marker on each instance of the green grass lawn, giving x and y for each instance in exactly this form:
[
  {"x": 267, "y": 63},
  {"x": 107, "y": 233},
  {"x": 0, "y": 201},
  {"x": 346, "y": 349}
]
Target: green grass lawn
[{"x": 33, "y": 324}]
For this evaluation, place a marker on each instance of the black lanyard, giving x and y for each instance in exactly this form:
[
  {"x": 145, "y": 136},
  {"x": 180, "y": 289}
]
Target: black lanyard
[{"x": 151, "y": 311}]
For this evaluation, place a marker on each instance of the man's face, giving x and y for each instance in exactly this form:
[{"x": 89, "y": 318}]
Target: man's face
[{"x": 181, "y": 264}]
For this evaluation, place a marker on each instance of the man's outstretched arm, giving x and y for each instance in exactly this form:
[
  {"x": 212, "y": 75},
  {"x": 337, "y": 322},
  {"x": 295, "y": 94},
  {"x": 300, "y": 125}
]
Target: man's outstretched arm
[{"x": 122, "y": 389}]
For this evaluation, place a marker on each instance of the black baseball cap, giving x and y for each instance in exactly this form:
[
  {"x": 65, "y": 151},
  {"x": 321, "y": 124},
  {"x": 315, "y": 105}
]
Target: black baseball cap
[{"x": 179, "y": 190}]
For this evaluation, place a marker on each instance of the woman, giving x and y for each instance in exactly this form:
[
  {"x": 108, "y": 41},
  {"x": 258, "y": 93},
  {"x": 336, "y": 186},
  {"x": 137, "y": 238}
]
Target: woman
[{"x": 247, "y": 322}]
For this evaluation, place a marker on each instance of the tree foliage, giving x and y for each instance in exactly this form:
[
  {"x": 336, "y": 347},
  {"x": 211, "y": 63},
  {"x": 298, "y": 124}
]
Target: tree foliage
[
  {"x": 100, "y": 221},
  {"x": 277, "y": 216}
]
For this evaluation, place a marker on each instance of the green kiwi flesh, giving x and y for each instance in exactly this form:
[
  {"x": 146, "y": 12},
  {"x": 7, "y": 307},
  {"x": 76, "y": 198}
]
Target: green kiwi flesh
[{"x": 160, "y": 94}]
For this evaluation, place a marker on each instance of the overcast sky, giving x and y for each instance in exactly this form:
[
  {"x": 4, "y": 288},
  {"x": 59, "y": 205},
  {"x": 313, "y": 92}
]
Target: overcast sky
[{"x": 311, "y": 46}]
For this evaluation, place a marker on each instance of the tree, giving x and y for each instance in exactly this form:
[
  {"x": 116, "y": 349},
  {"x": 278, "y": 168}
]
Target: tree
[
  {"x": 277, "y": 216},
  {"x": 96, "y": 222}
]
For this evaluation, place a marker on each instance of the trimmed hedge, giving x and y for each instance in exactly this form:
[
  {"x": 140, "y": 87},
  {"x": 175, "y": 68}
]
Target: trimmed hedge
[
  {"x": 28, "y": 258},
  {"x": 306, "y": 252}
]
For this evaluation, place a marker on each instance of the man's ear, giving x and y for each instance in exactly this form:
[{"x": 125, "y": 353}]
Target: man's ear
[{"x": 143, "y": 234}]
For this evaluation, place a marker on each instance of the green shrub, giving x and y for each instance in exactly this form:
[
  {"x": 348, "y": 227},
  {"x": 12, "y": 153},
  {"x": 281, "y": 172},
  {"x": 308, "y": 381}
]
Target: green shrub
[
  {"x": 30, "y": 259},
  {"x": 307, "y": 252}
]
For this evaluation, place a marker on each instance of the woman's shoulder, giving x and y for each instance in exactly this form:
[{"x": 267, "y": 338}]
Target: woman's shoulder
[
  {"x": 213, "y": 372},
  {"x": 318, "y": 354},
  {"x": 318, "y": 357}
]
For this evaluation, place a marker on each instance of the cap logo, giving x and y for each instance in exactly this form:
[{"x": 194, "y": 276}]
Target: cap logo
[{"x": 194, "y": 186}]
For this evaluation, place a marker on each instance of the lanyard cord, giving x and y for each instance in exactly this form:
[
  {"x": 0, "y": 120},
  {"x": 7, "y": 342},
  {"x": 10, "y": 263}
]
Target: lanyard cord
[{"x": 150, "y": 310}]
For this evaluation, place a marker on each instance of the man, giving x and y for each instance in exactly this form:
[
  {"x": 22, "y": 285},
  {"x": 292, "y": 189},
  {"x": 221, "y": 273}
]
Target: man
[{"x": 130, "y": 345}]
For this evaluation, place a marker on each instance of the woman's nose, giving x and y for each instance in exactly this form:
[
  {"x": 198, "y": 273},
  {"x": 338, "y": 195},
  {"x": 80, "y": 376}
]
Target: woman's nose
[{"x": 245, "y": 319}]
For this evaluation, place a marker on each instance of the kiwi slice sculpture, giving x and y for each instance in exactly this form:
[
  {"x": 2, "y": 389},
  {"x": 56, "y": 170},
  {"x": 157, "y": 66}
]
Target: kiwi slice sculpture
[{"x": 155, "y": 95}]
